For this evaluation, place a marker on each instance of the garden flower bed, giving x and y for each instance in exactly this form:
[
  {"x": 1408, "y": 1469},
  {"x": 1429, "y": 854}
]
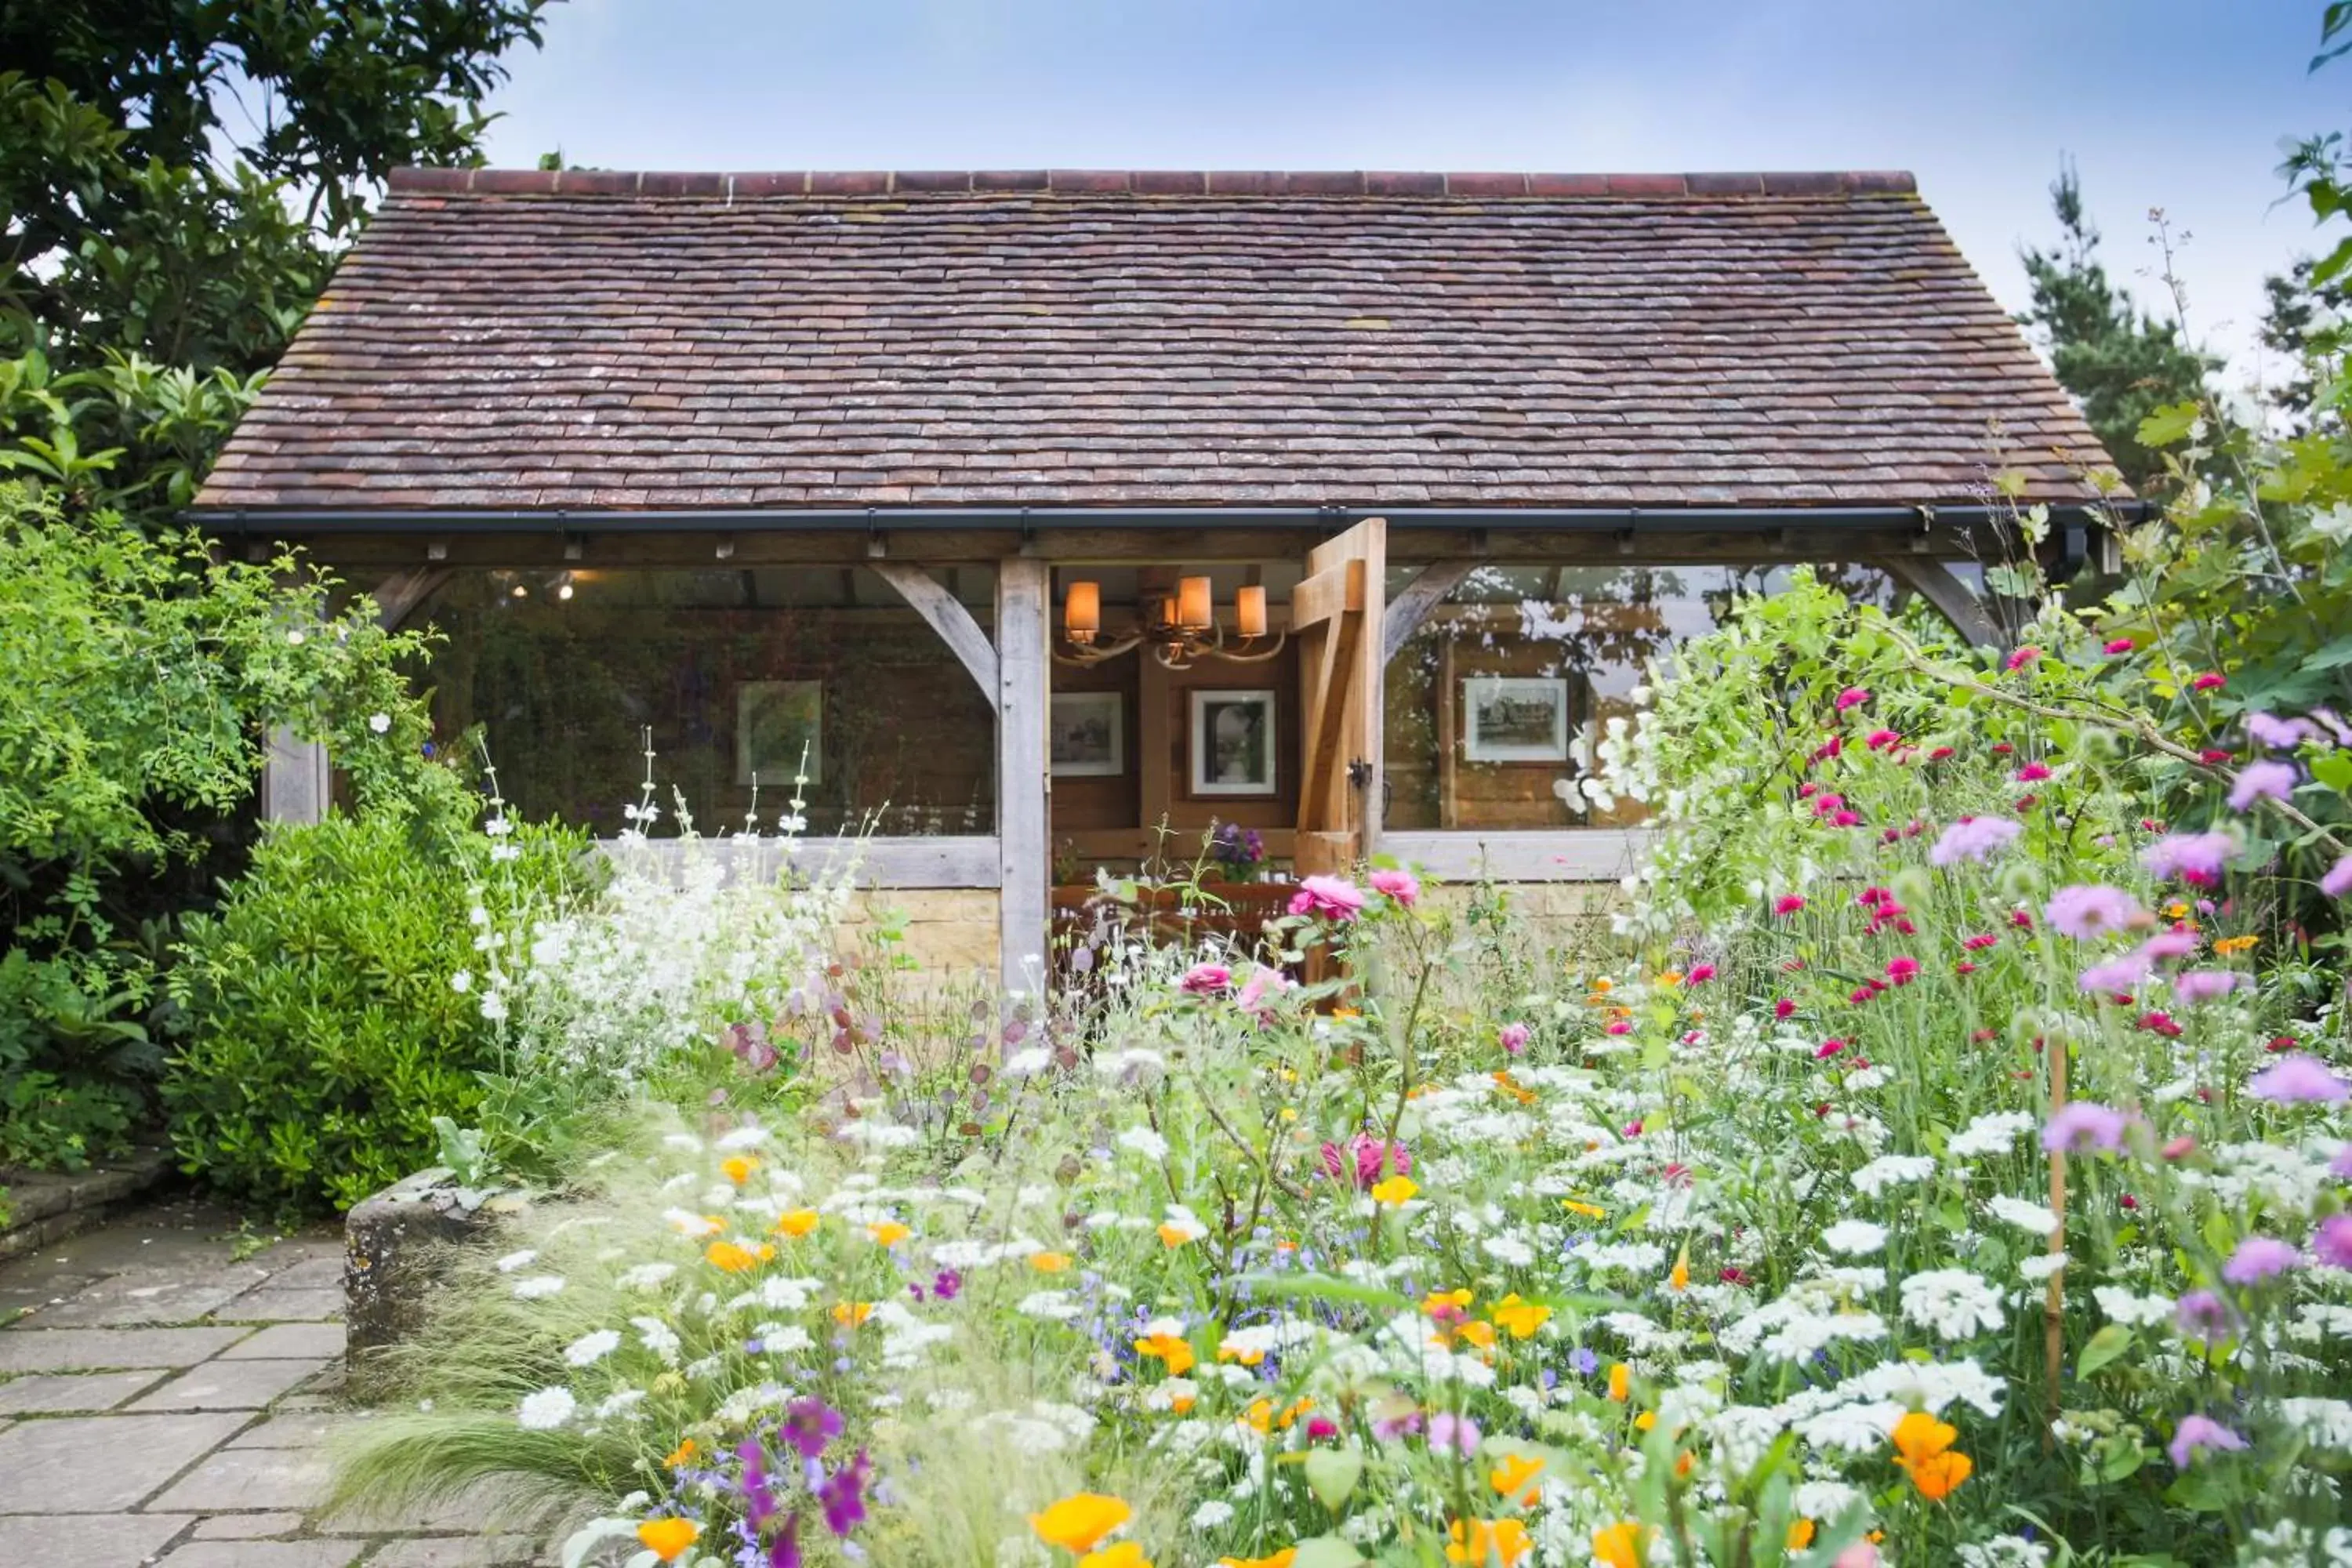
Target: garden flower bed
[{"x": 1948, "y": 1165}]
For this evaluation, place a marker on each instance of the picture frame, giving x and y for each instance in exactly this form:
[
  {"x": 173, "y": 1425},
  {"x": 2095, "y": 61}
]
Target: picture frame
[
  {"x": 1085, "y": 735},
  {"x": 1515, "y": 719},
  {"x": 1233, "y": 743},
  {"x": 778, "y": 724}
]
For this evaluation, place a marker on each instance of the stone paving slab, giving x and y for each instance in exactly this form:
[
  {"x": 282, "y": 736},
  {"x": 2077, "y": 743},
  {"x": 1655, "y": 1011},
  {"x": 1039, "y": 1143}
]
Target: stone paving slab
[
  {"x": 321, "y": 1553},
  {"x": 231, "y": 1386},
  {"x": 90, "y": 1350},
  {"x": 236, "y": 1479},
  {"x": 246, "y": 1526},
  {"x": 101, "y": 1464},
  {"x": 297, "y": 1430},
  {"x": 120, "y": 1541},
  {"x": 298, "y": 1341},
  {"x": 458, "y": 1551},
  {"x": 271, "y": 1305},
  {"x": 60, "y": 1394}
]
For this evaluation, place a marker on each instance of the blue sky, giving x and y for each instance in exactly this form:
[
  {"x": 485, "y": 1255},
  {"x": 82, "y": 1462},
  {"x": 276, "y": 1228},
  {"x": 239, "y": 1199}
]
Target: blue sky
[{"x": 2179, "y": 104}]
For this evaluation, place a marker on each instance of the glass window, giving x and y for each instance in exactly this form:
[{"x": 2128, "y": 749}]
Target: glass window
[
  {"x": 735, "y": 674},
  {"x": 1493, "y": 705}
]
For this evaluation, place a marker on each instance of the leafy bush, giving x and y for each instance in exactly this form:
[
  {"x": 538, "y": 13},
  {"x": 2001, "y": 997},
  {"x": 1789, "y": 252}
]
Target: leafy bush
[{"x": 325, "y": 1034}]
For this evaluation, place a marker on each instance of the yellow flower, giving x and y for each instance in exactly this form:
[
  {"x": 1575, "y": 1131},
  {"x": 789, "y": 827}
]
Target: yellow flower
[
  {"x": 1678, "y": 1279},
  {"x": 1281, "y": 1559},
  {"x": 796, "y": 1223},
  {"x": 1670, "y": 978},
  {"x": 1445, "y": 1303},
  {"x": 680, "y": 1455},
  {"x": 1480, "y": 1543},
  {"x": 1620, "y": 1545},
  {"x": 1645, "y": 1421},
  {"x": 1621, "y": 1383},
  {"x": 1120, "y": 1554},
  {"x": 852, "y": 1314},
  {"x": 1172, "y": 1234},
  {"x": 667, "y": 1539},
  {"x": 732, "y": 1256},
  {"x": 1260, "y": 1414},
  {"x": 1801, "y": 1534},
  {"x": 1519, "y": 1318},
  {"x": 1394, "y": 1191},
  {"x": 1589, "y": 1211},
  {"x": 1511, "y": 1477},
  {"x": 1286, "y": 1114},
  {"x": 888, "y": 1232},
  {"x": 1173, "y": 1350},
  {"x": 1049, "y": 1262},
  {"x": 2235, "y": 944},
  {"x": 1475, "y": 1333},
  {"x": 738, "y": 1168},
  {"x": 1079, "y": 1522}
]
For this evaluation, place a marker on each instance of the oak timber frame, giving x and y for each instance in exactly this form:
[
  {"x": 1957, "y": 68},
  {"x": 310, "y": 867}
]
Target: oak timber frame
[{"x": 1346, "y": 632}]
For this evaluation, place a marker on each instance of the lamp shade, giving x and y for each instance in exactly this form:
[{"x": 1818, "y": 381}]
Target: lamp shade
[
  {"x": 1082, "y": 609},
  {"x": 1193, "y": 613},
  {"x": 1249, "y": 611}
]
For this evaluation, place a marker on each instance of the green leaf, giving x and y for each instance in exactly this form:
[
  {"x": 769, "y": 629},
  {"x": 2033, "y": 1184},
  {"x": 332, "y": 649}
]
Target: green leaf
[
  {"x": 2109, "y": 1342},
  {"x": 1325, "y": 1552},
  {"x": 1332, "y": 1475},
  {"x": 2169, "y": 424}
]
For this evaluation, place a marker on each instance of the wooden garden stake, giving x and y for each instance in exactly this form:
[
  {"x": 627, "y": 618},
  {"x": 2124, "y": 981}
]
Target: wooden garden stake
[{"x": 2054, "y": 1308}]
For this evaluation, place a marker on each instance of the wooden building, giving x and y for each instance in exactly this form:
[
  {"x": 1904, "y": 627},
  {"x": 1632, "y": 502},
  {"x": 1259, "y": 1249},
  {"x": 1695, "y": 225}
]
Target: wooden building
[{"x": 1052, "y": 520}]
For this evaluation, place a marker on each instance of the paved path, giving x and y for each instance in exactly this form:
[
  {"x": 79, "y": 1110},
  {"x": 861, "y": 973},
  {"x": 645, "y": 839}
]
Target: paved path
[{"x": 164, "y": 1399}]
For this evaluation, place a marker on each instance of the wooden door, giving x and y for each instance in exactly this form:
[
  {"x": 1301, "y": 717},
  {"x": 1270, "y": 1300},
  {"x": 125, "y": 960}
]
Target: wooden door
[{"x": 1335, "y": 622}]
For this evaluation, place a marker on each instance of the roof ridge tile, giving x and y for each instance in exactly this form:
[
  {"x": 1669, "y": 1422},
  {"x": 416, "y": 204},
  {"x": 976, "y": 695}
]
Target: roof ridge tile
[{"x": 1381, "y": 184}]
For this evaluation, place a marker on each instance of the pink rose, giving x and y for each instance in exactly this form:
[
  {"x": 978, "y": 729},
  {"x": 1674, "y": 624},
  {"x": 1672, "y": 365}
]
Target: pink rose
[
  {"x": 1259, "y": 990},
  {"x": 1207, "y": 980},
  {"x": 1329, "y": 897},
  {"x": 1515, "y": 1037},
  {"x": 1401, "y": 886}
]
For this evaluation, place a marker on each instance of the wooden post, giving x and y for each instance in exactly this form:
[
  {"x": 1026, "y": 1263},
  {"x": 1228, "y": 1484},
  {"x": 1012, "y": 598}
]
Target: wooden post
[
  {"x": 294, "y": 779},
  {"x": 1023, "y": 639}
]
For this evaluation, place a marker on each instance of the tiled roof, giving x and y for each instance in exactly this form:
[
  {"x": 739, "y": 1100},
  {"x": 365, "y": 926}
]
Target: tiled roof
[{"x": 595, "y": 341}]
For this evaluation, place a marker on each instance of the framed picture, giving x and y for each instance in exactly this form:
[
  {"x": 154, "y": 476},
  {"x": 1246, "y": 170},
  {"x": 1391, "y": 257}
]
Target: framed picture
[
  {"x": 779, "y": 732},
  {"x": 1087, "y": 735},
  {"x": 1515, "y": 719},
  {"x": 1232, "y": 742}
]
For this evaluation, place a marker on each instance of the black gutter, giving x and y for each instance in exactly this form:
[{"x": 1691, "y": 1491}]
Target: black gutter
[{"x": 280, "y": 520}]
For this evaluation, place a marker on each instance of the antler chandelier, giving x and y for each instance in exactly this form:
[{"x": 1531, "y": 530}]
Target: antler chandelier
[{"x": 1178, "y": 627}]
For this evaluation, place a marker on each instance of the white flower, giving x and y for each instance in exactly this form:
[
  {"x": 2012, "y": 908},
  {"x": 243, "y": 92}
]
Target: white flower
[
  {"x": 2040, "y": 1267},
  {"x": 1992, "y": 1133},
  {"x": 1889, "y": 1169},
  {"x": 538, "y": 1286},
  {"x": 295, "y": 639},
  {"x": 1144, "y": 1141},
  {"x": 590, "y": 1349},
  {"x": 2023, "y": 1215},
  {"x": 646, "y": 1276},
  {"x": 1028, "y": 1063},
  {"x": 621, "y": 1404},
  {"x": 514, "y": 1261},
  {"x": 1213, "y": 1514},
  {"x": 657, "y": 1337},
  {"x": 1057, "y": 1306},
  {"x": 2005, "y": 1552},
  {"x": 2135, "y": 1312},
  {"x": 1953, "y": 1303},
  {"x": 380, "y": 723},
  {"x": 547, "y": 1409},
  {"x": 1184, "y": 1223},
  {"x": 1854, "y": 1237},
  {"x": 1510, "y": 1250},
  {"x": 462, "y": 981}
]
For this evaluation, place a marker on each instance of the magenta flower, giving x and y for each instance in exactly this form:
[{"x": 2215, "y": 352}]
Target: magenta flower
[
  {"x": 1880, "y": 740},
  {"x": 1852, "y": 696},
  {"x": 1366, "y": 1161},
  {"x": 2200, "y": 1434},
  {"x": 2117, "y": 974},
  {"x": 1206, "y": 980},
  {"x": 2262, "y": 780},
  {"x": 1973, "y": 838},
  {"x": 1789, "y": 903},
  {"x": 842, "y": 1495},
  {"x": 2202, "y": 1315},
  {"x": 1902, "y": 970},
  {"x": 2033, "y": 772},
  {"x": 1828, "y": 1048},
  {"x": 2340, "y": 1167},
  {"x": 2020, "y": 659},
  {"x": 2195, "y": 858},
  {"x": 1700, "y": 974},
  {"x": 809, "y": 1425},
  {"x": 2204, "y": 984},
  {"x": 1515, "y": 1037},
  {"x": 2258, "y": 1260},
  {"x": 2081, "y": 1124},
  {"x": 2211, "y": 680},
  {"x": 2298, "y": 1080},
  {"x": 2337, "y": 880},
  {"x": 1329, "y": 898},
  {"x": 2085, "y": 911},
  {"x": 2332, "y": 1242},
  {"x": 2116, "y": 645},
  {"x": 1401, "y": 886}
]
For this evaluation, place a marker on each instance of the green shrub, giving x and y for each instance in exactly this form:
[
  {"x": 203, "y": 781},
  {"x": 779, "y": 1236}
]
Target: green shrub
[{"x": 325, "y": 1034}]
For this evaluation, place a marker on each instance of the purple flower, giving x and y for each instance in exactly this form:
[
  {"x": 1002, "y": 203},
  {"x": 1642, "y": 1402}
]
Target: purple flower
[
  {"x": 2202, "y": 1315},
  {"x": 2170, "y": 944},
  {"x": 1447, "y": 1430},
  {"x": 2084, "y": 1124},
  {"x": 2298, "y": 1080},
  {"x": 1515, "y": 1037},
  {"x": 759, "y": 1501},
  {"x": 2279, "y": 734},
  {"x": 842, "y": 1495},
  {"x": 2259, "y": 1258},
  {"x": 2087, "y": 910},
  {"x": 2337, "y": 880},
  {"x": 2340, "y": 1167},
  {"x": 2262, "y": 780},
  {"x": 2200, "y": 1434},
  {"x": 2116, "y": 974},
  {"x": 809, "y": 1425},
  {"x": 785, "y": 1553},
  {"x": 1583, "y": 1362},
  {"x": 2332, "y": 1242},
  {"x": 1389, "y": 1428},
  {"x": 2196, "y": 858},
  {"x": 2204, "y": 984},
  {"x": 946, "y": 1283},
  {"x": 1973, "y": 838}
]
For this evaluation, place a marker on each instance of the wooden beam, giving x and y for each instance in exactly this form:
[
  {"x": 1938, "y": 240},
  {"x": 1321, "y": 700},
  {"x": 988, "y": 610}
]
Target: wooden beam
[
  {"x": 1410, "y": 607},
  {"x": 398, "y": 594},
  {"x": 966, "y": 861},
  {"x": 1023, "y": 639},
  {"x": 1334, "y": 591},
  {"x": 947, "y": 616},
  {"x": 1568, "y": 855},
  {"x": 1935, "y": 582}
]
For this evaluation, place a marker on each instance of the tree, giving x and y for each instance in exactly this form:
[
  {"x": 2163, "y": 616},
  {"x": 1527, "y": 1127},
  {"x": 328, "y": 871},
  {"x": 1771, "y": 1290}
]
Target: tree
[
  {"x": 174, "y": 182},
  {"x": 2120, "y": 363},
  {"x": 2304, "y": 322}
]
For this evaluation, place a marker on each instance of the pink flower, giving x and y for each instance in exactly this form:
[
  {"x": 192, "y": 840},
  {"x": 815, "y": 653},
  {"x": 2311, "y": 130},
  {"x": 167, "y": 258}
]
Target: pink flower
[
  {"x": 2117, "y": 645},
  {"x": 1515, "y": 1037},
  {"x": 1259, "y": 990},
  {"x": 2033, "y": 772},
  {"x": 2262, "y": 780},
  {"x": 2277, "y": 733},
  {"x": 1973, "y": 838},
  {"x": 2084, "y": 1124},
  {"x": 1845, "y": 819},
  {"x": 2117, "y": 974},
  {"x": 2200, "y": 1434},
  {"x": 1207, "y": 980},
  {"x": 2332, "y": 1242},
  {"x": 2340, "y": 1167},
  {"x": 1319, "y": 1427},
  {"x": 1879, "y": 740},
  {"x": 1852, "y": 696},
  {"x": 1902, "y": 970},
  {"x": 1783, "y": 1008},
  {"x": 1447, "y": 1430},
  {"x": 1789, "y": 903},
  {"x": 2194, "y": 858},
  {"x": 1828, "y": 1048},
  {"x": 2208, "y": 681},
  {"x": 2259, "y": 1258},
  {"x": 1329, "y": 898},
  {"x": 2174, "y": 944},
  {"x": 2020, "y": 658},
  {"x": 1981, "y": 941},
  {"x": 2204, "y": 984},
  {"x": 2337, "y": 880},
  {"x": 1401, "y": 886},
  {"x": 2298, "y": 1080},
  {"x": 1618, "y": 1027},
  {"x": 1700, "y": 972},
  {"x": 2087, "y": 910},
  {"x": 1366, "y": 1159}
]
